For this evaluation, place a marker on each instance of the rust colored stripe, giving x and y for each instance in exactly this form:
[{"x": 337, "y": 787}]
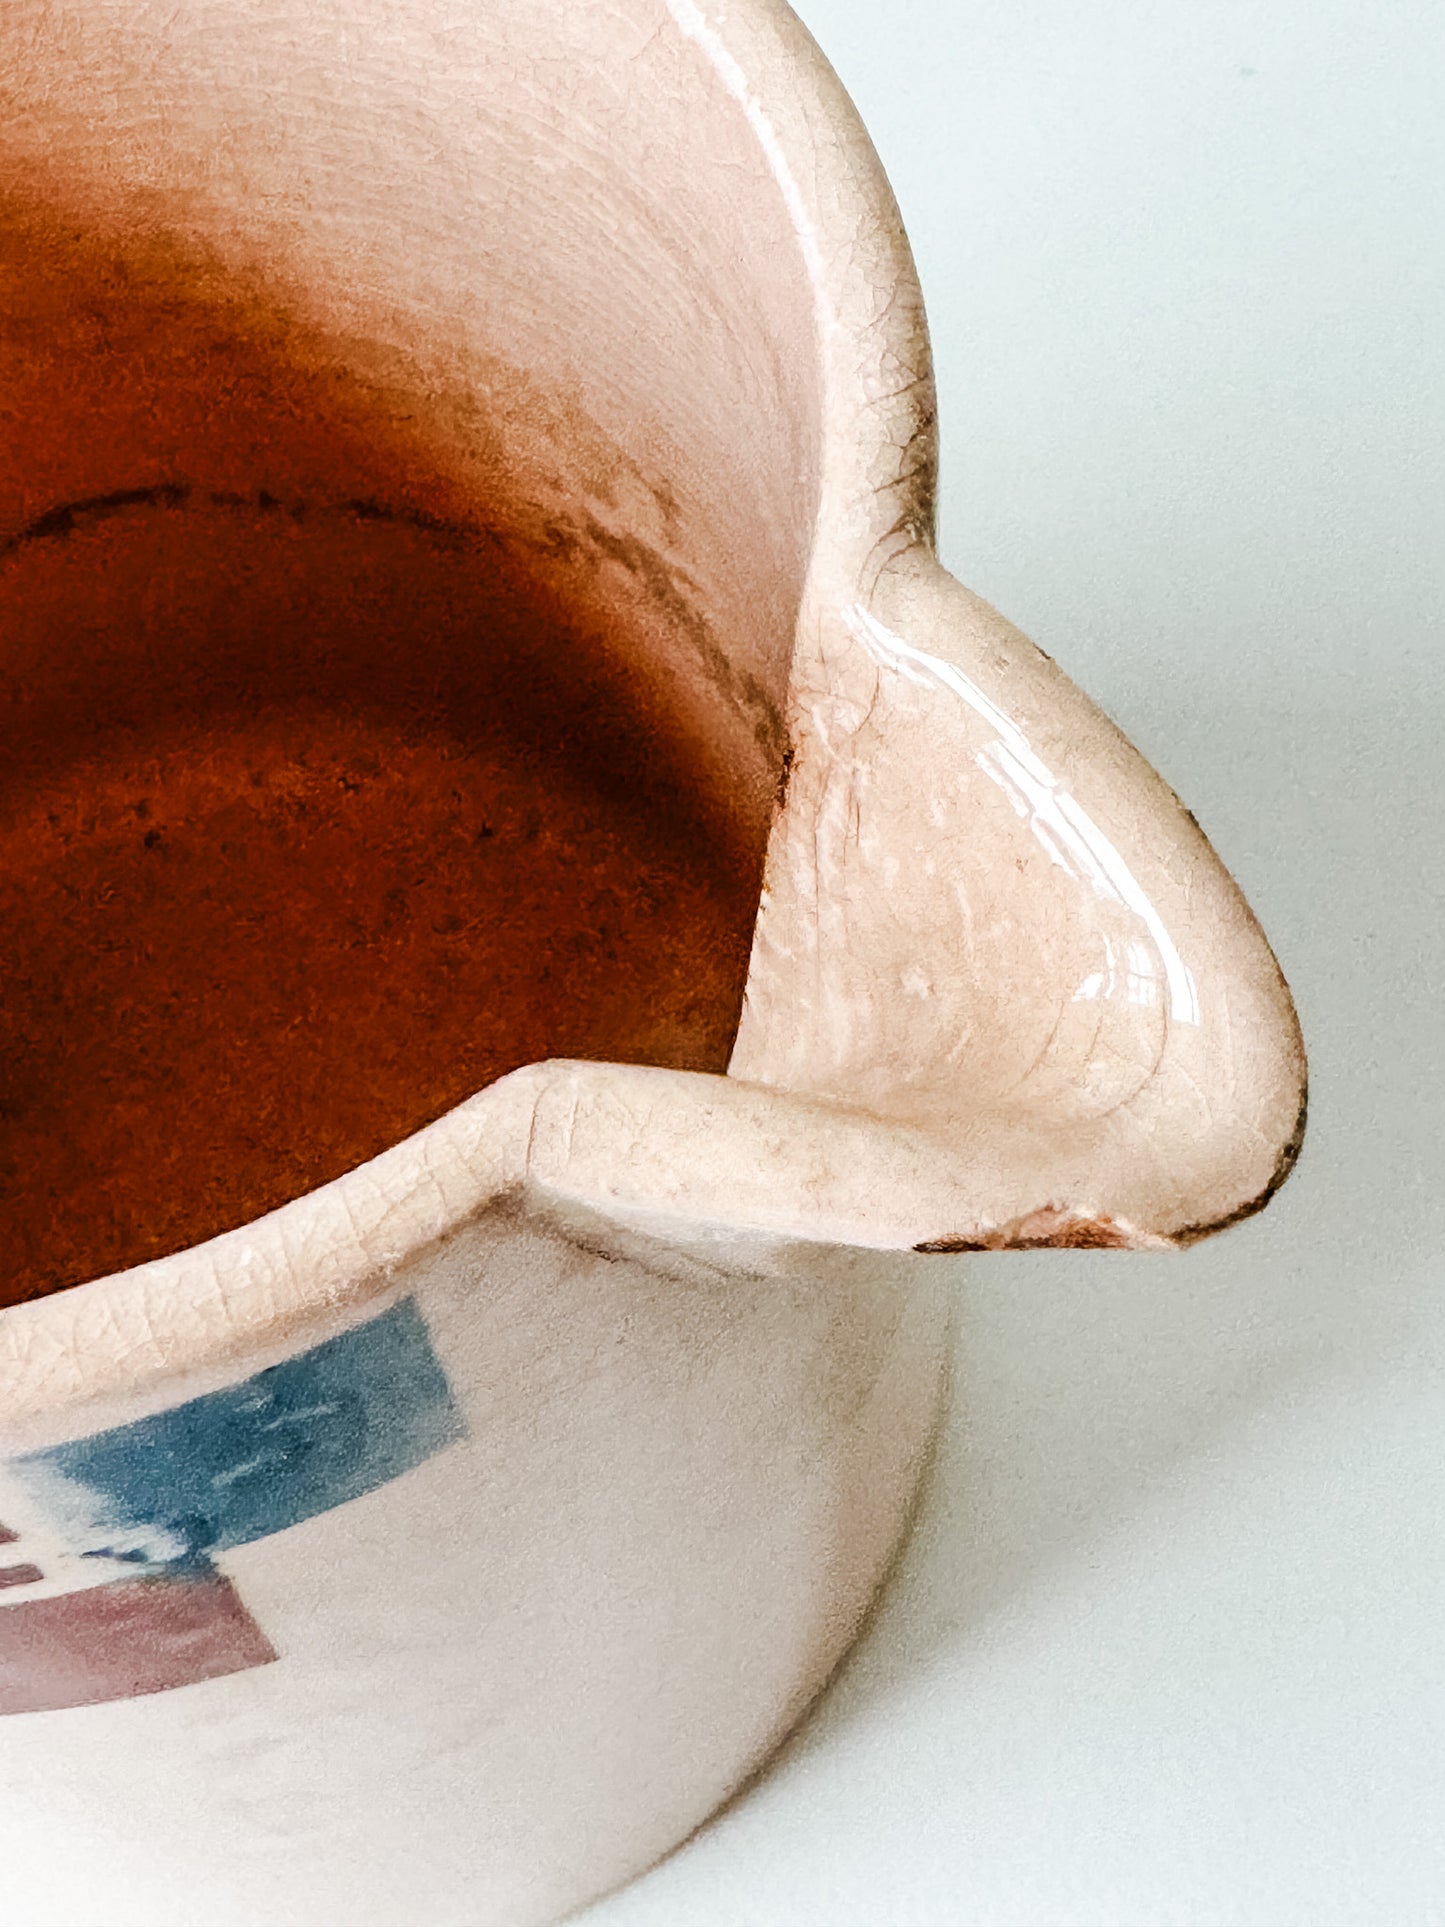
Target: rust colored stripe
[{"x": 119, "y": 1641}]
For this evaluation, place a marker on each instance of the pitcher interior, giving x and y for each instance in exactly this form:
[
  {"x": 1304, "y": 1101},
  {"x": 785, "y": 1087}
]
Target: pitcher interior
[{"x": 409, "y": 434}]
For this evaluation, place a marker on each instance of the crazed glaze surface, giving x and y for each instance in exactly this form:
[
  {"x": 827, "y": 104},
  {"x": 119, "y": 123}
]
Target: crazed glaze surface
[
  {"x": 1002, "y": 1029},
  {"x": 631, "y": 277}
]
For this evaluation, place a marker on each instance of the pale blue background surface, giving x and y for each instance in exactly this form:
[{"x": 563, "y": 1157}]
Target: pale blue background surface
[{"x": 1169, "y": 1649}]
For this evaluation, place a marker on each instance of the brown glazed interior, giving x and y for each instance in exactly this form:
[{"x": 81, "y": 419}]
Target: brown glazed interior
[{"x": 338, "y": 778}]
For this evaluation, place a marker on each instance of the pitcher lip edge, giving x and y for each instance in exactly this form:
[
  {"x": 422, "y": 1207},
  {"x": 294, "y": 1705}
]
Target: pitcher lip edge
[{"x": 101, "y": 1326}]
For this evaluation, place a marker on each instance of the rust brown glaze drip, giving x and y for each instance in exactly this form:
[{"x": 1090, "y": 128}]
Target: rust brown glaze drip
[
  {"x": 320, "y": 806},
  {"x": 1052, "y": 1228}
]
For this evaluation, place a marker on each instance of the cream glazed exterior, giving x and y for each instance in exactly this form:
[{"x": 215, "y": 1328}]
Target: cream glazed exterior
[{"x": 545, "y": 1466}]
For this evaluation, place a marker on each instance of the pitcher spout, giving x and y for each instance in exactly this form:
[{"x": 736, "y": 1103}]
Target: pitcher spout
[{"x": 987, "y": 921}]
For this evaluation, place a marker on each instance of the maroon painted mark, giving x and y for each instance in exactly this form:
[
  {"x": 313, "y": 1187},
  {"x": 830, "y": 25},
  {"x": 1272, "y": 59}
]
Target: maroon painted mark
[
  {"x": 7, "y": 1537},
  {"x": 20, "y": 1575},
  {"x": 121, "y": 1640}
]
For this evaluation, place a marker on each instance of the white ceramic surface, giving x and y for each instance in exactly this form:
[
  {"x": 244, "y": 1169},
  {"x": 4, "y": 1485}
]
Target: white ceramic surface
[{"x": 594, "y": 1411}]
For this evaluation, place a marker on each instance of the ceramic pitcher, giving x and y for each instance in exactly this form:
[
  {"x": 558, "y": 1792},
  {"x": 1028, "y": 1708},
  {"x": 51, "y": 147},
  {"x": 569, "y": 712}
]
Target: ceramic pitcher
[{"x": 445, "y": 1543}]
